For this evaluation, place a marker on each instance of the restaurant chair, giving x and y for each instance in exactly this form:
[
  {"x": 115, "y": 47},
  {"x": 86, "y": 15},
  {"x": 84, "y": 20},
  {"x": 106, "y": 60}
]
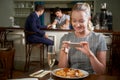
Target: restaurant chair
[
  {"x": 6, "y": 63},
  {"x": 114, "y": 64},
  {"x": 28, "y": 49},
  {"x": 4, "y": 42}
]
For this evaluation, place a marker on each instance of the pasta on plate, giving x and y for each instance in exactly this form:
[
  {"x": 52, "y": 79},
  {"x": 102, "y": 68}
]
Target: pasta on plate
[{"x": 69, "y": 73}]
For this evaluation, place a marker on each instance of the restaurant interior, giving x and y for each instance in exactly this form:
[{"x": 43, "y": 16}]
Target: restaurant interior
[{"x": 21, "y": 60}]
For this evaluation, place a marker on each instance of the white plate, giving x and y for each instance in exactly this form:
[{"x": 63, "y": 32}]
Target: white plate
[{"x": 83, "y": 71}]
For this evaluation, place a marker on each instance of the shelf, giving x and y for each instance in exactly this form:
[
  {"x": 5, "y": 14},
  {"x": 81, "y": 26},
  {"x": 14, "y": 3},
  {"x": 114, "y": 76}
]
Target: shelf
[
  {"x": 24, "y": 8},
  {"x": 21, "y": 16},
  {"x": 23, "y": 4}
]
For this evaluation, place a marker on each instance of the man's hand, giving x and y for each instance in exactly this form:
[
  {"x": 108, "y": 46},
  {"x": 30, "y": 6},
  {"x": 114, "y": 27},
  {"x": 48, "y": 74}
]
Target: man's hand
[
  {"x": 49, "y": 26},
  {"x": 46, "y": 36}
]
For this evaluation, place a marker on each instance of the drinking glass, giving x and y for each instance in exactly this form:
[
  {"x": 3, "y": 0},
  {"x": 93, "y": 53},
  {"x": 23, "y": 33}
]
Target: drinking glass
[{"x": 51, "y": 59}]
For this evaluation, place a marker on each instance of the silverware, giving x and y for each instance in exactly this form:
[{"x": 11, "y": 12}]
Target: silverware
[{"x": 36, "y": 73}]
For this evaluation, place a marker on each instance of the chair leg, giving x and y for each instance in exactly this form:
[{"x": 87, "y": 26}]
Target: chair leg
[
  {"x": 28, "y": 54},
  {"x": 42, "y": 56}
]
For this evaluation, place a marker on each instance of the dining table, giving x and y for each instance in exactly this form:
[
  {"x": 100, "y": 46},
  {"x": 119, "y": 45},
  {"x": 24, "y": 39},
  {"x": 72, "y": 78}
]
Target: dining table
[{"x": 89, "y": 77}]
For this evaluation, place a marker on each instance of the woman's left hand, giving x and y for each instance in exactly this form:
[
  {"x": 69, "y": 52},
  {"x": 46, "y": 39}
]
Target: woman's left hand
[{"x": 84, "y": 48}]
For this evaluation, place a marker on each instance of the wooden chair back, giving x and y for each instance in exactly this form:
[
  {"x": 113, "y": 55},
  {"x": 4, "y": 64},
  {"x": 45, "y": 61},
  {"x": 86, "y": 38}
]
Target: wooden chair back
[
  {"x": 115, "y": 54},
  {"x": 7, "y": 62}
]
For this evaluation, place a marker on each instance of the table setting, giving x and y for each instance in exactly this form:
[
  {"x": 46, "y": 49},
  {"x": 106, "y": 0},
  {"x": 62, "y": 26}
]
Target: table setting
[
  {"x": 86, "y": 76},
  {"x": 63, "y": 73}
]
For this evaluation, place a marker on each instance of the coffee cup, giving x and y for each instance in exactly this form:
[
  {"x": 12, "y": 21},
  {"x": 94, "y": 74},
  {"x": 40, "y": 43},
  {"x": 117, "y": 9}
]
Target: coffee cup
[{"x": 54, "y": 26}]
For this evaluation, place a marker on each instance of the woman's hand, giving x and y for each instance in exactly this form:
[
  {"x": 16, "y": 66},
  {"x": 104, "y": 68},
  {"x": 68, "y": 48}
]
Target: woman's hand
[
  {"x": 84, "y": 48},
  {"x": 63, "y": 57},
  {"x": 65, "y": 46}
]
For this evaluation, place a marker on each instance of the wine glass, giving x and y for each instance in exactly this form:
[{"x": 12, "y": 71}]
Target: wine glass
[{"x": 51, "y": 59}]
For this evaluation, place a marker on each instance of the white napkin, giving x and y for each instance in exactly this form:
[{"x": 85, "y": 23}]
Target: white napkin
[
  {"x": 39, "y": 73},
  {"x": 42, "y": 74},
  {"x": 24, "y": 79}
]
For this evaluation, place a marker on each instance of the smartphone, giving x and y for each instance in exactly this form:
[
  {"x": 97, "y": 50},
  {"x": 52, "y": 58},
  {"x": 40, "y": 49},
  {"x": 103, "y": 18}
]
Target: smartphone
[{"x": 74, "y": 45}]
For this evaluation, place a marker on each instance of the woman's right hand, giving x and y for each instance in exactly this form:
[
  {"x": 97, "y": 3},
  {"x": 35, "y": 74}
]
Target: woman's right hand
[
  {"x": 63, "y": 57},
  {"x": 65, "y": 44}
]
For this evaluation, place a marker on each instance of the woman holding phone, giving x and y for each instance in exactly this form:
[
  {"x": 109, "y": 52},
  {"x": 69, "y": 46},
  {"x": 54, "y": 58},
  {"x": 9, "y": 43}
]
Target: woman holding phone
[{"x": 91, "y": 54}]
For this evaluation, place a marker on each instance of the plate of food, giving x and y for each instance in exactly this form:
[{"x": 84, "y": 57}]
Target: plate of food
[{"x": 70, "y": 73}]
